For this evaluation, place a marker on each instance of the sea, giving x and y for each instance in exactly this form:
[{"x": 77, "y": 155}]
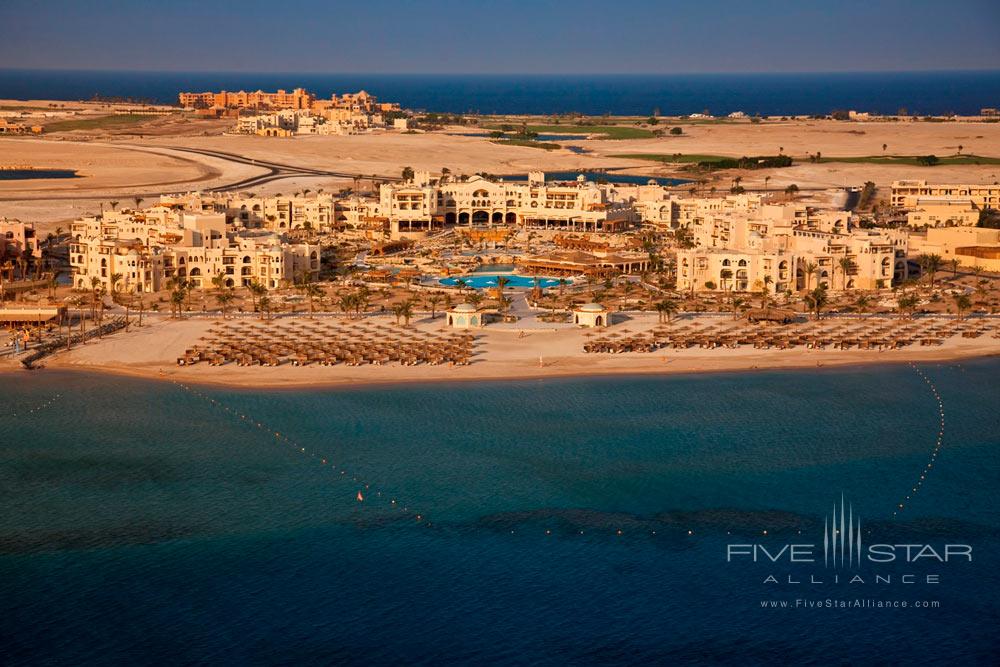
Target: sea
[
  {"x": 577, "y": 521},
  {"x": 961, "y": 92}
]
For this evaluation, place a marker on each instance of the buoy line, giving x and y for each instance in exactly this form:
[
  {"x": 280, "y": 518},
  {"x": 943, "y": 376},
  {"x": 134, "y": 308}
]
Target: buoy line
[
  {"x": 369, "y": 494},
  {"x": 37, "y": 408},
  {"x": 937, "y": 445},
  {"x": 366, "y": 492}
]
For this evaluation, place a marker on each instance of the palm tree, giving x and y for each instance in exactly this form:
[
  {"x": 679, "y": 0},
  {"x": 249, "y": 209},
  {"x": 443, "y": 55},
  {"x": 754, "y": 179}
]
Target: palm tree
[
  {"x": 724, "y": 276},
  {"x": 265, "y": 306},
  {"x": 930, "y": 264},
  {"x": 475, "y": 299},
  {"x": 846, "y": 266},
  {"x": 346, "y": 302},
  {"x": 738, "y": 303},
  {"x": 224, "y": 298},
  {"x": 95, "y": 284},
  {"x": 791, "y": 191},
  {"x": 362, "y": 300},
  {"x": 816, "y": 300},
  {"x": 114, "y": 204},
  {"x": 257, "y": 289},
  {"x": 115, "y": 279},
  {"x": 810, "y": 270},
  {"x": 53, "y": 283},
  {"x": 433, "y": 300},
  {"x": 219, "y": 281},
  {"x": 627, "y": 288},
  {"x": 562, "y": 285},
  {"x": 666, "y": 308},
  {"x": 962, "y": 304},
  {"x": 407, "y": 312},
  {"x": 863, "y": 302},
  {"x": 907, "y": 303},
  {"x": 766, "y": 180},
  {"x": 954, "y": 268},
  {"x": 311, "y": 291},
  {"x": 501, "y": 283},
  {"x": 177, "y": 302},
  {"x": 81, "y": 304},
  {"x": 137, "y": 200}
]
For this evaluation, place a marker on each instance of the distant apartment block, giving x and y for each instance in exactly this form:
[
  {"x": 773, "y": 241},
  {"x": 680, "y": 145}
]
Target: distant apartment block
[
  {"x": 905, "y": 194},
  {"x": 300, "y": 99}
]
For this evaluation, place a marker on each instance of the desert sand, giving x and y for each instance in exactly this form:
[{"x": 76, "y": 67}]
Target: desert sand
[{"x": 122, "y": 166}]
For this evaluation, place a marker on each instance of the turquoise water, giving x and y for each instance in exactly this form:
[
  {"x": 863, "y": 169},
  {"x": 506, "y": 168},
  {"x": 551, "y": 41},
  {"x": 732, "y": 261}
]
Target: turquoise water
[
  {"x": 487, "y": 280},
  {"x": 138, "y": 519}
]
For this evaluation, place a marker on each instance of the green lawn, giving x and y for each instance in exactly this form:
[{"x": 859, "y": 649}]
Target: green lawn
[
  {"x": 28, "y": 107},
  {"x": 609, "y": 131},
  {"x": 672, "y": 158},
  {"x": 912, "y": 159},
  {"x": 99, "y": 123}
]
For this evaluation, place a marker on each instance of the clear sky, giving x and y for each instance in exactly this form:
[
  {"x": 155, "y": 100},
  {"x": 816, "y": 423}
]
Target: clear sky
[{"x": 513, "y": 36}]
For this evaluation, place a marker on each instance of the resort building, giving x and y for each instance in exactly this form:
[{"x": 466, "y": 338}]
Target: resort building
[
  {"x": 801, "y": 259},
  {"x": 18, "y": 238},
  {"x": 970, "y": 246},
  {"x": 423, "y": 205},
  {"x": 591, "y": 315},
  {"x": 297, "y": 99},
  {"x": 357, "y": 104},
  {"x": 943, "y": 212},
  {"x": 465, "y": 316},
  {"x": 906, "y": 194},
  {"x": 9, "y": 127},
  {"x": 289, "y": 122},
  {"x": 140, "y": 251},
  {"x": 277, "y": 213},
  {"x": 592, "y": 265}
]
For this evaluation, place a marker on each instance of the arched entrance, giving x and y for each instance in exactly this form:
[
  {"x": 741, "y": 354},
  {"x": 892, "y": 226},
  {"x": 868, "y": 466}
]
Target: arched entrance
[
  {"x": 480, "y": 217},
  {"x": 498, "y": 218},
  {"x": 450, "y": 218},
  {"x": 463, "y": 218}
]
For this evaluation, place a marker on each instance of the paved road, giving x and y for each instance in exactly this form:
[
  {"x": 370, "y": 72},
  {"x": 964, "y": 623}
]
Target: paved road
[{"x": 275, "y": 170}]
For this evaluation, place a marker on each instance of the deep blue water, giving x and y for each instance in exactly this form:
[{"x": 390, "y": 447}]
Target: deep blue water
[
  {"x": 30, "y": 174},
  {"x": 608, "y": 176},
  {"x": 139, "y": 523},
  {"x": 769, "y": 94}
]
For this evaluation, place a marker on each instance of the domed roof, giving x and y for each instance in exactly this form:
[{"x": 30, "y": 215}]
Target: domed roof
[
  {"x": 592, "y": 308},
  {"x": 464, "y": 308}
]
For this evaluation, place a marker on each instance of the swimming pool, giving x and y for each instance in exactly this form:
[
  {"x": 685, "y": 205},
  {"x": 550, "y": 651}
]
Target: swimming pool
[{"x": 488, "y": 280}]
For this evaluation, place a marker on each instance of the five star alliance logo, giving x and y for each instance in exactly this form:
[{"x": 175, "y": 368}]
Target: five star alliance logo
[{"x": 842, "y": 537}]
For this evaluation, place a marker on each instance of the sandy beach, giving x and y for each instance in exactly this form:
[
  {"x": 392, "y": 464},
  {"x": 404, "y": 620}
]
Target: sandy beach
[{"x": 500, "y": 354}]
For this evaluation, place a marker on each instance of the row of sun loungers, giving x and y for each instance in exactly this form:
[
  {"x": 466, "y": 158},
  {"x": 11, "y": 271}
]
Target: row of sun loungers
[
  {"x": 327, "y": 345},
  {"x": 868, "y": 335}
]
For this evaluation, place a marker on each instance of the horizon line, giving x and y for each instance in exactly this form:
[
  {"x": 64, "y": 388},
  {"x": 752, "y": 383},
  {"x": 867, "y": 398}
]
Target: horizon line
[{"x": 488, "y": 74}]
